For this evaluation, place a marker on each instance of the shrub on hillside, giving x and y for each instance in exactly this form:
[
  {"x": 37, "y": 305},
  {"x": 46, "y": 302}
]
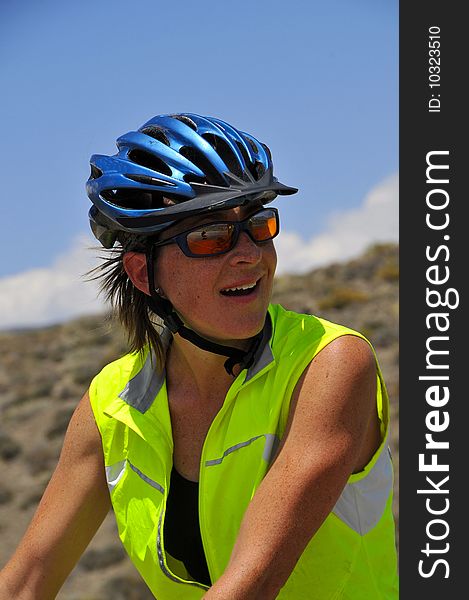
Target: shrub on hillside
[{"x": 341, "y": 297}]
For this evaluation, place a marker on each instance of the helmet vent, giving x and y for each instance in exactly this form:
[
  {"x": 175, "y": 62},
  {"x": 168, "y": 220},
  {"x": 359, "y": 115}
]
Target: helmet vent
[
  {"x": 257, "y": 170},
  {"x": 247, "y": 160},
  {"x": 267, "y": 150},
  {"x": 251, "y": 143},
  {"x": 199, "y": 160},
  {"x": 156, "y": 133},
  {"x": 192, "y": 178},
  {"x": 95, "y": 172},
  {"x": 225, "y": 153},
  {"x": 146, "y": 180},
  {"x": 135, "y": 199},
  {"x": 189, "y": 122},
  {"x": 145, "y": 159}
]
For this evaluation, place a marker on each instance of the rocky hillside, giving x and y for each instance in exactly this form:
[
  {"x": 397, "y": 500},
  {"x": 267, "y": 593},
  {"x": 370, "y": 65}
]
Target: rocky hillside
[{"x": 44, "y": 372}]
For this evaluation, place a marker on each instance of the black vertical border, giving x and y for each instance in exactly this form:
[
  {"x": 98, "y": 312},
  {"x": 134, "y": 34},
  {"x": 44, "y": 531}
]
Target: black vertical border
[{"x": 420, "y": 132}]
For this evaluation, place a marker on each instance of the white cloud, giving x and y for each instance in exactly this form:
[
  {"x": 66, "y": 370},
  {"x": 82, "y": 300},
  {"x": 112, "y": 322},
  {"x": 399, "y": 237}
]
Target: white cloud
[
  {"x": 56, "y": 293},
  {"x": 347, "y": 233},
  {"x": 52, "y": 294}
]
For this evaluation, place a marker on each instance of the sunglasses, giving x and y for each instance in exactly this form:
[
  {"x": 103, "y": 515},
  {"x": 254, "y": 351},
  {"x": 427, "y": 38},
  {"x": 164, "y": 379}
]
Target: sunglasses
[{"x": 220, "y": 237}]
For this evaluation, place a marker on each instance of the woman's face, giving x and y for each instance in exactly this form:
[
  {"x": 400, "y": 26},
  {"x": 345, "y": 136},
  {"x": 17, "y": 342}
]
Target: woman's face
[{"x": 202, "y": 289}]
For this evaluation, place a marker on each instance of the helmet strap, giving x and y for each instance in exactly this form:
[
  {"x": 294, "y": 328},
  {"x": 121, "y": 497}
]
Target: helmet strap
[{"x": 164, "y": 309}]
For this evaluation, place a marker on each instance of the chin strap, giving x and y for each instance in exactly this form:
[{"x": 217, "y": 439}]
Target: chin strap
[{"x": 164, "y": 309}]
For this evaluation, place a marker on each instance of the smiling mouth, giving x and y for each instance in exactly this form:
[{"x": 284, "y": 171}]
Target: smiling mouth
[{"x": 242, "y": 290}]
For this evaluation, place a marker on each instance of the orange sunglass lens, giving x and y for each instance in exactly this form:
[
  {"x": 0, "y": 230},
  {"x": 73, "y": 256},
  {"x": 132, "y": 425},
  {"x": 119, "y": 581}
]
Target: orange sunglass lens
[
  {"x": 264, "y": 228},
  {"x": 211, "y": 240}
]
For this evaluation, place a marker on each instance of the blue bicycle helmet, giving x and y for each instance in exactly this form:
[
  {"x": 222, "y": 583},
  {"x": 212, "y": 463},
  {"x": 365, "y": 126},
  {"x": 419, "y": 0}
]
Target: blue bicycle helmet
[{"x": 172, "y": 167}]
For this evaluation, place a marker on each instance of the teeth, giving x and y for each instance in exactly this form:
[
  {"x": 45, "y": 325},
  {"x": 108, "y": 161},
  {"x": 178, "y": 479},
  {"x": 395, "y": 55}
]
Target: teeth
[{"x": 244, "y": 287}]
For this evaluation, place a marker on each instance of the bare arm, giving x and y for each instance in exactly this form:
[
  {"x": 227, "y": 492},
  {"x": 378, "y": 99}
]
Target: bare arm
[
  {"x": 332, "y": 431},
  {"x": 69, "y": 514}
]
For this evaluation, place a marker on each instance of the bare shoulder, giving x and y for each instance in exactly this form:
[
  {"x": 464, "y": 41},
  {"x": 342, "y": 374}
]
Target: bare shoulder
[
  {"x": 349, "y": 351},
  {"x": 346, "y": 362},
  {"x": 82, "y": 437},
  {"x": 333, "y": 408}
]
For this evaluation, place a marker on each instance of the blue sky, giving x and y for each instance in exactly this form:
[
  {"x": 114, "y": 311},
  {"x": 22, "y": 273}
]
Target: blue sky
[{"x": 317, "y": 81}]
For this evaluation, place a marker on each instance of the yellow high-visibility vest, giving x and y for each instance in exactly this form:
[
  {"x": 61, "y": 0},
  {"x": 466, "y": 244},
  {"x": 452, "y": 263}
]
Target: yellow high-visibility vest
[{"x": 352, "y": 556}]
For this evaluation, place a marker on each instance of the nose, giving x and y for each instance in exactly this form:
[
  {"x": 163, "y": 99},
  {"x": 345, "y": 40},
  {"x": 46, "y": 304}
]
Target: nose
[{"x": 245, "y": 250}]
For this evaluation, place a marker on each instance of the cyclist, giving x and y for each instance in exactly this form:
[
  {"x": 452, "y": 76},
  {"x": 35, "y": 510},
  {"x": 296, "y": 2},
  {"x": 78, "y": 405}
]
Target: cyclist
[{"x": 243, "y": 447}]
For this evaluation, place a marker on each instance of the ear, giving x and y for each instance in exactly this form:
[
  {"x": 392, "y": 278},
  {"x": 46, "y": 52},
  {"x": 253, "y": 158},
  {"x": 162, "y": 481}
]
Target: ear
[{"x": 135, "y": 265}]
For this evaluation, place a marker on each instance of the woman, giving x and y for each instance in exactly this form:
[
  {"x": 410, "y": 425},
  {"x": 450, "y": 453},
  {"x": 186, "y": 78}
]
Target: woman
[{"x": 243, "y": 447}]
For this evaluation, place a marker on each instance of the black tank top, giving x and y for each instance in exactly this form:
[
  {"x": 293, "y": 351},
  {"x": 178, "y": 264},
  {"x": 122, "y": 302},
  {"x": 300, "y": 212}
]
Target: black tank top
[{"x": 181, "y": 527}]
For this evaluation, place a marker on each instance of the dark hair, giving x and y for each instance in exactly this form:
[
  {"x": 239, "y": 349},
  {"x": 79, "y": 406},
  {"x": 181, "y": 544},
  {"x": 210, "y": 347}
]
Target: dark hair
[{"x": 128, "y": 304}]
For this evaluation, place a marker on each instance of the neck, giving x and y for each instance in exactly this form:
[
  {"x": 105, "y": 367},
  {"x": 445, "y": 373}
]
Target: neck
[{"x": 189, "y": 366}]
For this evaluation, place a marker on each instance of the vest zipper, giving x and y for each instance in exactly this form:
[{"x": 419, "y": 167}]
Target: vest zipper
[
  {"x": 160, "y": 554},
  {"x": 159, "y": 533},
  {"x": 232, "y": 391}
]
